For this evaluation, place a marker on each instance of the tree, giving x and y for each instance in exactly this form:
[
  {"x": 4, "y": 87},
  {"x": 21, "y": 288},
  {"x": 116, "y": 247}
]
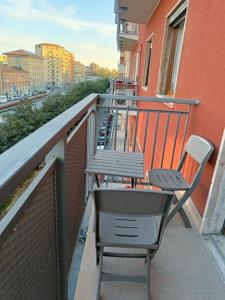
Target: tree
[{"x": 26, "y": 119}]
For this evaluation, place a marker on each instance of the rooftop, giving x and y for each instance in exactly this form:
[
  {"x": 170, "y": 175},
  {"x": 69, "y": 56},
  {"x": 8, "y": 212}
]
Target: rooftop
[
  {"x": 50, "y": 45},
  {"x": 21, "y": 52}
]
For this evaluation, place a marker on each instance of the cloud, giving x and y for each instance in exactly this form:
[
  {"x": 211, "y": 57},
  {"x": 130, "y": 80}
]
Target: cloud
[
  {"x": 26, "y": 9},
  {"x": 19, "y": 41}
]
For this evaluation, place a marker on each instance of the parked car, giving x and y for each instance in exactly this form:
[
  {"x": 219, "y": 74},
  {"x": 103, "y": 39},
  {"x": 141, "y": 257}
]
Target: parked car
[
  {"x": 3, "y": 99},
  {"x": 16, "y": 98},
  {"x": 20, "y": 97},
  {"x": 106, "y": 122},
  {"x": 102, "y": 141},
  {"x": 103, "y": 131},
  {"x": 101, "y": 147},
  {"x": 110, "y": 116}
]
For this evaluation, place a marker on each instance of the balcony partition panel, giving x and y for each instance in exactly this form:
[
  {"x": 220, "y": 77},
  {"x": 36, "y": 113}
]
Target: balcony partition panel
[
  {"x": 44, "y": 174},
  {"x": 29, "y": 258},
  {"x": 75, "y": 185}
]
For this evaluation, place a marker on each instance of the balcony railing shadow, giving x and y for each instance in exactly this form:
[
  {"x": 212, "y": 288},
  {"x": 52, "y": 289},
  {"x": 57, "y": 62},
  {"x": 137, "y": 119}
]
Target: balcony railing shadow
[{"x": 39, "y": 233}]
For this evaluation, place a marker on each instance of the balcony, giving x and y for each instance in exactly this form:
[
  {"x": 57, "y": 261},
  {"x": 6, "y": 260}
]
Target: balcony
[
  {"x": 40, "y": 249},
  {"x": 127, "y": 35},
  {"x": 133, "y": 11}
]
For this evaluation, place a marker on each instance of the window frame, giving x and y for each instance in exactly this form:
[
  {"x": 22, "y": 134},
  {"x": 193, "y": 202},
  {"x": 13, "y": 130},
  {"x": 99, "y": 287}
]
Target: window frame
[
  {"x": 147, "y": 61},
  {"x": 137, "y": 65},
  {"x": 172, "y": 23}
]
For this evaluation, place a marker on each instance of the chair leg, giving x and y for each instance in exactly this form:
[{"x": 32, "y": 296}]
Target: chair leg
[
  {"x": 178, "y": 208},
  {"x": 100, "y": 274},
  {"x": 97, "y": 182},
  {"x": 97, "y": 255},
  {"x": 184, "y": 218},
  {"x": 148, "y": 275}
]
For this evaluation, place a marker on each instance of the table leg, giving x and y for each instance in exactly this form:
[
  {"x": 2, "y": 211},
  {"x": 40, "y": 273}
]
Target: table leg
[
  {"x": 96, "y": 178},
  {"x": 132, "y": 182}
]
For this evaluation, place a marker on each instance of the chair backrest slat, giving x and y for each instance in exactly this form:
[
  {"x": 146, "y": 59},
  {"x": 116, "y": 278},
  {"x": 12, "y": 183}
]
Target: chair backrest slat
[
  {"x": 199, "y": 148},
  {"x": 130, "y": 202}
]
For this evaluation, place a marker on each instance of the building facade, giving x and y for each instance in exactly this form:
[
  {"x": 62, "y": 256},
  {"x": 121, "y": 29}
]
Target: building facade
[
  {"x": 87, "y": 71},
  {"x": 3, "y": 59},
  {"x": 79, "y": 71},
  {"x": 13, "y": 81},
  {"x": 179, "y": 53},
  {"x": 31, "y": 63},
  {"x": 94, "y": 69},
  {"x": 58, "y": 64}
]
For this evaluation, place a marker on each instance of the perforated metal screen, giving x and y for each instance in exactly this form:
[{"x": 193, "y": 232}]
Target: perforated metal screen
[
  {"x": 75, "y": 186},
  {"x": 28, "y": 255}
]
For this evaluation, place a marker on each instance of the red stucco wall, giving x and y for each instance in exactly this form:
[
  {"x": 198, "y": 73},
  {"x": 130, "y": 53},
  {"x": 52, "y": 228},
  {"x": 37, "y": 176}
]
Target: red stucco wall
[{"x": 201, "y": 73}]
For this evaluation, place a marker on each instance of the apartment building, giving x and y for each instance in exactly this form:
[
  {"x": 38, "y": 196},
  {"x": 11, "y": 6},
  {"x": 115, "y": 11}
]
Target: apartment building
[
  {"x": 13, "y": 81},
  {"x": 31, "y": 63},
  {"x": 79, "y": 71},
  {"x": 58, "y": 64},
  {"x": 94, "y": 69},
  {"x": 178, "y": 52},
  {"x": 87, "y": 71},
  {"x": 3, "y": 59}
]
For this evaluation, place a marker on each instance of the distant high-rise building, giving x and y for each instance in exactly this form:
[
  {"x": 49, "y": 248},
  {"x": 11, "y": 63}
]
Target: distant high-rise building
[
  {"x": 30, "y": 63},
  {"x": 87, "y": 71},
  {"x": 94, "y": 69},
  {"x": 58, "y": 64},
  {"x": 13, "y": 81},
  {"x": 79, "y": 71}
]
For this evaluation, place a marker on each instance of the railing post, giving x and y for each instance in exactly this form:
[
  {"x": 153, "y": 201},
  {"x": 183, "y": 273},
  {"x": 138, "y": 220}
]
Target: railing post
[
  {"x": 58, "y": 153},
  {"x": 91, "y": 145}
]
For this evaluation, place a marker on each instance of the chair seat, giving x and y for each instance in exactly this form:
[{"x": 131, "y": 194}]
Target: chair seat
[
  {"x": 127, "y": 230},
  {"x": 167, "y": 179}
]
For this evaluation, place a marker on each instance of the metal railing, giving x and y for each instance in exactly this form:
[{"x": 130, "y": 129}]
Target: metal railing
[
  {"x": 129, "y": 28},
  {"x": 38, "y": 234},
  {"x": 155, "y": 126},
  {"x": 126, "y": 30},
  {"x": 124, "y": 86}
]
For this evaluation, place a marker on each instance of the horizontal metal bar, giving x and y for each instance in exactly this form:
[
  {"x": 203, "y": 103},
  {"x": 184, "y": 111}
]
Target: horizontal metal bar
[
  {"x": 18, "y": 161},
  {"x": 127, "y": 255},
  {"x": 144, "y": 109},
  {"x": 125, "y": 181},
  {"x": 150, "y": 99}
]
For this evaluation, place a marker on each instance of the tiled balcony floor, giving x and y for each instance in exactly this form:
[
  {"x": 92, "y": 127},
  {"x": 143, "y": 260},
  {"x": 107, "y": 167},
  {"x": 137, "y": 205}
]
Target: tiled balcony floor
[{"x": 181, "y": 270}]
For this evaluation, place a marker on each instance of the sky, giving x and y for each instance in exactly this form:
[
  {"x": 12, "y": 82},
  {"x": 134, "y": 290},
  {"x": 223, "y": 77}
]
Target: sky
[{"x": 84, "y": 27}]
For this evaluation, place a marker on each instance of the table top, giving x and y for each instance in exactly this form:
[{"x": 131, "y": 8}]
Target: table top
[{"x": 117, "y": 163}]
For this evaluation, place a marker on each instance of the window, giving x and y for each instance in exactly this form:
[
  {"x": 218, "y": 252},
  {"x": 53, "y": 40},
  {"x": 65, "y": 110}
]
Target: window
[
  {"x": 147, "y": 62},
  {"x": 137, "y": 66},
  {"x": 172, "y": 50}
]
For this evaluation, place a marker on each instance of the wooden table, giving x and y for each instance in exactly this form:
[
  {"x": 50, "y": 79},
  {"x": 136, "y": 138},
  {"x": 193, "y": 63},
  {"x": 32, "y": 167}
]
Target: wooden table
[{"x": 117, "y": 163}]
